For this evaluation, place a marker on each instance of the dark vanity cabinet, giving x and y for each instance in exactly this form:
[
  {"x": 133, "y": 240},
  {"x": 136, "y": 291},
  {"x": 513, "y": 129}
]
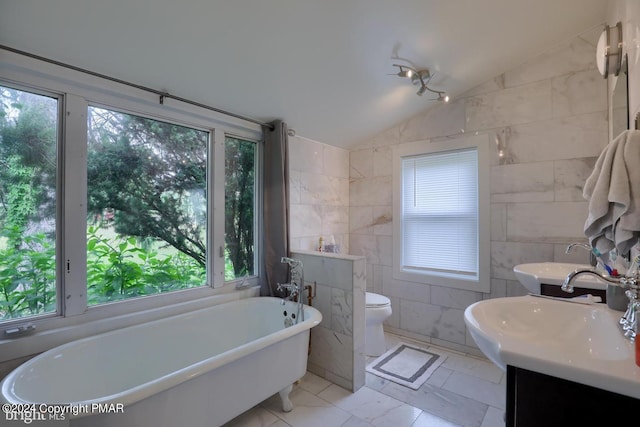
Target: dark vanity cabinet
[
  {"x": 556, "y": 291},
  {"x": 535, "y": 400}
]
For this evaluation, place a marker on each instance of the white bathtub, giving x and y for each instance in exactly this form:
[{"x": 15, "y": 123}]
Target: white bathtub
[{"x": 196, "y": 369}]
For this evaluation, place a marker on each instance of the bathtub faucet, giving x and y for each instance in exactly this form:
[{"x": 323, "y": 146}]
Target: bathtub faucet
[
  {"x": 291, "y": 288},
  {"x": 296, "y": 287}
]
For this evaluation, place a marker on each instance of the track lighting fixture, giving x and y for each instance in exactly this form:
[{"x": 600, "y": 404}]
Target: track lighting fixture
[{"x": 420, "y": 78}]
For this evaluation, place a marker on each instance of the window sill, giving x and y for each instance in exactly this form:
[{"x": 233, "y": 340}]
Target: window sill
[{"x": 54, "y": 331}]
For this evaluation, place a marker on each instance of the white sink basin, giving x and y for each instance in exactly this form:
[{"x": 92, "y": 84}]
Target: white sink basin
[
  {"x": 578, "y": 342},
  {"x": 554, "y": 273}
]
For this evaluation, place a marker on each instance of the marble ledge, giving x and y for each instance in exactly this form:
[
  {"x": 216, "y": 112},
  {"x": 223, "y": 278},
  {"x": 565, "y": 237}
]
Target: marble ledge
[{"x": 330, "y": 255}]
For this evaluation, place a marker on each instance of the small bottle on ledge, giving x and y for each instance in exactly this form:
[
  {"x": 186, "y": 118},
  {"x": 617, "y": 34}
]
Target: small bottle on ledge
[{"x": 321, "y": 245}]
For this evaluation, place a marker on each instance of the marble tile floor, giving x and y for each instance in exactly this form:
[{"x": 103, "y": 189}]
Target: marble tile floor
[{"x": 464, "y": 391}]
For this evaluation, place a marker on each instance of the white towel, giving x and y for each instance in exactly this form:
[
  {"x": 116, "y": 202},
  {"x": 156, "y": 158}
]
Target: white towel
[{"x": 613, "y": 192}]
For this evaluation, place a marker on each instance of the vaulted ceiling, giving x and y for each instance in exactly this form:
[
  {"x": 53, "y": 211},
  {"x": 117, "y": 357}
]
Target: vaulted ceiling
[{"x": 321, "y": 65}]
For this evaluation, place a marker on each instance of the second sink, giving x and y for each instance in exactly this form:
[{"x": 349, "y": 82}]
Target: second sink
[{"x": 553, "y": 273}]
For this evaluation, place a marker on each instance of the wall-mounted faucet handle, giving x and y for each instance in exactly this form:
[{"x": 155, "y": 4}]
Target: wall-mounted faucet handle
[{"x": 291, "y": 287}]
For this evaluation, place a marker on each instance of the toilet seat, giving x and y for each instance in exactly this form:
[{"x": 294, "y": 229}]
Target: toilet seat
[{"x": 376, "y": 300}]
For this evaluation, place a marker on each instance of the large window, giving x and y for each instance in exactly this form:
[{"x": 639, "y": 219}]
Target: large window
[
  {"x": 28, "y": 191},
  {"x": 441, "y": 213},
  {"x": 107, "y": 196},
  {"x": 147, "y": 206}
]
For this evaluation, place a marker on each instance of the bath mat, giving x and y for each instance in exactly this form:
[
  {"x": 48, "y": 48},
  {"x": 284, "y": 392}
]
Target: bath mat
[{"x": 407, "y": 365}]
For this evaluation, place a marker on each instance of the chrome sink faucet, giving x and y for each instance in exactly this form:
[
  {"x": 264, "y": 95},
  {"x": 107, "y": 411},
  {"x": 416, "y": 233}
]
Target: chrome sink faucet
[
  {"x": 296, "y": 287},
  {"x": 629, "y": 320}
]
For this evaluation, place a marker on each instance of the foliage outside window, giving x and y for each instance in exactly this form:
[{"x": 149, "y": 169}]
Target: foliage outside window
[
  {"x": 240, "y": 159},
  {"x": 147, "y": 225},
  {"x": 147, "y": 198},
  {"x": 28, "y": 189}
]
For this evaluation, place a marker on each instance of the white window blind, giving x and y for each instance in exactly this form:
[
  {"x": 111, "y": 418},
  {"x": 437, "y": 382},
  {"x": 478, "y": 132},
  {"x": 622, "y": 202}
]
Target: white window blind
[{"x": 439, "y": 208}]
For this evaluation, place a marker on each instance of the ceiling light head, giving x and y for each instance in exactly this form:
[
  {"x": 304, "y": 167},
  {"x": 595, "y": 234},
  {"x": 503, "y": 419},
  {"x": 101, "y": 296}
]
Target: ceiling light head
[{"x": 405, "y": 71}]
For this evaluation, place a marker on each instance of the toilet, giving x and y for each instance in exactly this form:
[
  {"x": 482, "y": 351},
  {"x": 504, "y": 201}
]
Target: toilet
[{"x": 377, "y": 309}]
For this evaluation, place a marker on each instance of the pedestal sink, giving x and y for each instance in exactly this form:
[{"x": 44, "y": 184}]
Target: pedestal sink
[
  {"x": 577, "y": 342},
  {"x": 553, "y": 273}
]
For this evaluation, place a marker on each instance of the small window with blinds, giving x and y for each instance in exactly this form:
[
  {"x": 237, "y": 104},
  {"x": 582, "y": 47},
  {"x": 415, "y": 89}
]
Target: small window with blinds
[
  {"x": 440, "y": 198},
  {"x": 440, "y": 218}
]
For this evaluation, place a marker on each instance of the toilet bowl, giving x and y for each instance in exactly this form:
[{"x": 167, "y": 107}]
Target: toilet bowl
[{"x": 377, "y": 309}]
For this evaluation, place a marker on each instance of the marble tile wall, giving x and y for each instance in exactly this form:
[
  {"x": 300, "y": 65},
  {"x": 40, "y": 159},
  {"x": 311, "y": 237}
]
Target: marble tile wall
[
  {"x": 319, "y": 200},
  {"x": 337, "y": 344},
  {"x": 552, "y": 113}
]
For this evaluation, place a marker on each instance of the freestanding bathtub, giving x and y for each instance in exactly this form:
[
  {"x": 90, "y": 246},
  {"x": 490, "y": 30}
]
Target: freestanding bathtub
[{"x": 201, "y": 368}]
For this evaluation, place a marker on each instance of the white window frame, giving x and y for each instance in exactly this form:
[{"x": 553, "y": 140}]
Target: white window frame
[
  {"x": 77, "y": 91},
  {"x": 479, "y": 282}
]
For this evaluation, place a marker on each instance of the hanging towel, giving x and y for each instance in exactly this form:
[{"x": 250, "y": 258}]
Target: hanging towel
[{"x": 613, "y": 192}]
